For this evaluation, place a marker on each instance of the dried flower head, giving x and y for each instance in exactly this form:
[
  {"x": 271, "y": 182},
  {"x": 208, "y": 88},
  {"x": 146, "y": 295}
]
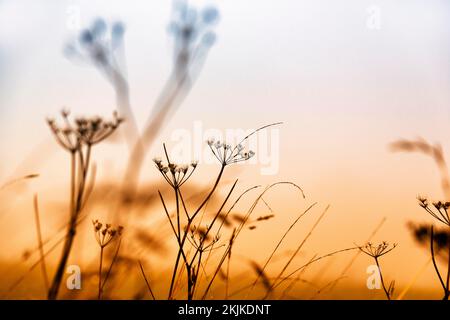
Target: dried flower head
[
  {"x": 379, "y": 250},
  {"x": 72, "y": 135},
  {"x": 200, "y": 235},
  {"x": 105, "y": 233},
  {"x": 226, "y": 154},
  {"x": 175, "y": 174},
  {"x": 438, "y": 210}
]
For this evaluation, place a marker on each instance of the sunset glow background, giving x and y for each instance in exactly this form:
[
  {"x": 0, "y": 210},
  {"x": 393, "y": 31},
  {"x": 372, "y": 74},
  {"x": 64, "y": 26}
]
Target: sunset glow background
[{"x": 343, "y": 91}]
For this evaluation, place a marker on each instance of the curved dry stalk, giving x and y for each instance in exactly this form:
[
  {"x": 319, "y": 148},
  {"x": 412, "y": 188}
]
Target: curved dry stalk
[
  {"x": 309, "y": 263},
  {"x": 298, "y": 249},
  {"x": 293, "y": 282},
  {"x": 226, "y": 216},
  {"x": 16, "y": 180},
  {"x": 241, "y": 226},
  {"x": 327, "y": 285},
  {"x": 434, "y": 151},
  {"x": 281, "y": 241}
]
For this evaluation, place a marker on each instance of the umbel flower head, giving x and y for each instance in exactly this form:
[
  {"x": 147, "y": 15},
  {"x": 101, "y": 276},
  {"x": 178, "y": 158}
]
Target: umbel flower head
[
  {"x": 226, "y": 154},
  {"x": 199, "y": 235},
  {"x": 379, "y": 250},
  {"x": 192, "y": 32},
  {"x": 72, "y": 135},
  {"x": 175, "y": 174},
  {"x": 438, "y": 210},
  {"x": 104, "y": 233},
  {"x": 98, "y": 44}
]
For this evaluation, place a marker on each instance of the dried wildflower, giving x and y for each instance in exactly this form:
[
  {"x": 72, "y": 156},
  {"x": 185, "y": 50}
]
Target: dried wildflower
[
  {"x": 226, "y": 154},
  {"x": 438, "y": 210},
  {"x": 199, "y": 235},
  {"x": 423, "y": 202},
  {"x": 175, "y": 174},
  {"x": 377, "y": 250},
  {"x": 104, "y": 234},
  {"x": 73, "y": 135}
]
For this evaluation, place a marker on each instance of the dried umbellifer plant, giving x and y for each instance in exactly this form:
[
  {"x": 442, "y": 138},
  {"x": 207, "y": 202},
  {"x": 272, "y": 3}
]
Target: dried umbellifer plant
[
  {"x": 199, "y": 238},
  {"x": 376, "y": 252},
  {"x": 77, "y": 137},
  {"x": 105, "y": 234},
  {"x": 440, "y": 211},
  {"x": 193, "y": 233}
]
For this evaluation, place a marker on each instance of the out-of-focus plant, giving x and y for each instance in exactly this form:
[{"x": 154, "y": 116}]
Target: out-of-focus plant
[
  {"x": 192, "y": 33},
  {"x": 434, "y": 151},
  {"x": 102, "y": 45}
]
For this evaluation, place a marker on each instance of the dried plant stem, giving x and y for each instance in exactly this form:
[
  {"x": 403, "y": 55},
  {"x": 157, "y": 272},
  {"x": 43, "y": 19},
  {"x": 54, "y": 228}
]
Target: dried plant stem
[
  {"x": 181, "y": 244},
  {"x": 447, "y": 291},
  {"x": 414, "y": 279},
  {"x": 297, "y": 251},
  {"x": 99, "y": 297},
  {"x": 146, "y": 281},
  {"x": 76, "y": 204},
  {"x": 170, "y": 97},
  {"x": 16, "y": 180},
  {"x": 382, "y": 280},
  {"x": 122, "y": 91},
  {"x": 294, "y": 281},
  {"x": 200, "y": 248},
  {"x": 230, "y": 244},
  {"x": 187, "y": 229},
  {"x": 275, "y": 285},
  {"x": 226, "y": 217},
  {"x": 279, "y": 244},
  {"x": 433, "y": 258},
  {"x": 108, "y": 273},
  {"x": 46, "y": 253},
  {"x": 40, "y": 244},
  {"x": 241, "y": 226}
]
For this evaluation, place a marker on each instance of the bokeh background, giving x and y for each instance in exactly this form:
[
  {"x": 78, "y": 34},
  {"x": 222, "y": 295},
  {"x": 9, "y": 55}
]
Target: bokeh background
[{"x": 343, "y": 89}]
